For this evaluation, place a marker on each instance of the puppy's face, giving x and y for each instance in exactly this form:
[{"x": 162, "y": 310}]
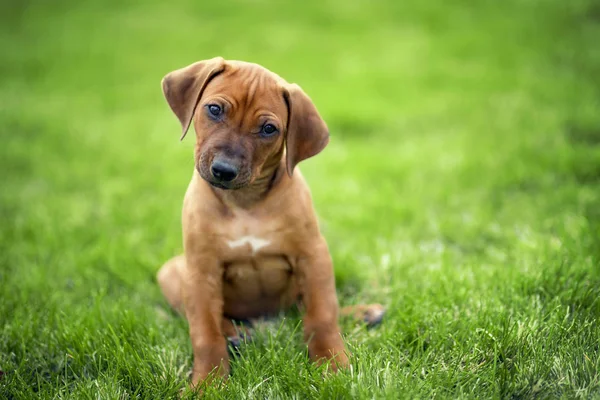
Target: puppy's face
[
  {"x": 240, "y": 124},
  {"x": 244, "y": 117}
]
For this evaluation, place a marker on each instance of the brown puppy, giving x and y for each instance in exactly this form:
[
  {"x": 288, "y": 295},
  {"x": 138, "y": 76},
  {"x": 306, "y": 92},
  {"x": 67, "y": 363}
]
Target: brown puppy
[{"x": 252, "y": 244}]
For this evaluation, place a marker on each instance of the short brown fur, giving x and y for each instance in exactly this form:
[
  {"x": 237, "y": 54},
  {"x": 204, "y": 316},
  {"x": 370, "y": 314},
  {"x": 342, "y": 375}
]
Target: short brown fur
[{"x": 252, "y": 245}]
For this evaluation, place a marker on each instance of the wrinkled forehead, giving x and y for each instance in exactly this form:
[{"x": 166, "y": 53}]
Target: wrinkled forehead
[{"x": 249, "y": 86}]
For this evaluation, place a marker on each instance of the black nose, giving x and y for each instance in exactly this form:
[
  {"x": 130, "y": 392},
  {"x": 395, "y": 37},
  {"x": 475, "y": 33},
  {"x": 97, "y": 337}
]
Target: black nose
[{"x": 223, "y": 171}]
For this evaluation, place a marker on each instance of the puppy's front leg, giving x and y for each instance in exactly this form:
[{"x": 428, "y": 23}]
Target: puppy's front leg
[
  {"x": 321, "y": 328},
  {"x": 203, "y": 300}
]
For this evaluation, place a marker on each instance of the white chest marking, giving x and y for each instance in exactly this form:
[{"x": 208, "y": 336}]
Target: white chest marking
[{"x": 254, "y": 242}]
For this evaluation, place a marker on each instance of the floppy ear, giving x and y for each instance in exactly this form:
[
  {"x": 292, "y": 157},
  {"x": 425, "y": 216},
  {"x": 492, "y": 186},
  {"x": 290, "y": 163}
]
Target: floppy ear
[
  {"x": 307, "y": 133},
  {"x": 183, "y": 88}
]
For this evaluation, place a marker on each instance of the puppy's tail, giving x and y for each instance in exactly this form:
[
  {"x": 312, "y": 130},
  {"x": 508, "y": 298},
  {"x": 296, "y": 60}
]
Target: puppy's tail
[{"x": 370, "y": 314}]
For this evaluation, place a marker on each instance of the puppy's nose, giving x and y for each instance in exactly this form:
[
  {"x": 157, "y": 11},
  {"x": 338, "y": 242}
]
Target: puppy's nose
[{"x": 223, "y": 171}]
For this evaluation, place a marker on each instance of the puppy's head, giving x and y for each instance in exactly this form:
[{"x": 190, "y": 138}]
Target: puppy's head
[{"x": 244, "y": 117}]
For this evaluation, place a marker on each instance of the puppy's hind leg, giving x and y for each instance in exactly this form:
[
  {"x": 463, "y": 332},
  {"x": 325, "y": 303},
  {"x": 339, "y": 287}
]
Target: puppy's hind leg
[
  {"x": 169, "y": 279},
  {"x": 370, "y": 314}
]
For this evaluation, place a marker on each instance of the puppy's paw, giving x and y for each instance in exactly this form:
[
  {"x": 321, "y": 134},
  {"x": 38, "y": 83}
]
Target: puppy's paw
[
  {"x": 234, "y": 343},
  {"x": 329, "y": 351},
  {"x": 198, "y": 386},
  {"x": 332, "y": 365}
]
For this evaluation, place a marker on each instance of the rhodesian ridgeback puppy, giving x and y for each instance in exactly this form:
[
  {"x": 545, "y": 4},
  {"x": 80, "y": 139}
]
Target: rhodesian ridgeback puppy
[{"x": 252, "y": 244}]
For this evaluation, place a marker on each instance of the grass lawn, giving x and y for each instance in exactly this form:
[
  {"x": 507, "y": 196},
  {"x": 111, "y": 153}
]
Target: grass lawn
[{"x": 461, "y": 189}]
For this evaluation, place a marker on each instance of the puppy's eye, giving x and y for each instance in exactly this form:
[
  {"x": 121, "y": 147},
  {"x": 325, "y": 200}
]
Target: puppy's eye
[
  {"x": 269, "y": 130},
  {"x": 214, "y": 109}
]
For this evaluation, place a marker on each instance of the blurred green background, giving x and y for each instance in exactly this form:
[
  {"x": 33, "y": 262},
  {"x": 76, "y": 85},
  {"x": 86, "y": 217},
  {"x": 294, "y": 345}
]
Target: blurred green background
[{"x": 461, "y": 189}]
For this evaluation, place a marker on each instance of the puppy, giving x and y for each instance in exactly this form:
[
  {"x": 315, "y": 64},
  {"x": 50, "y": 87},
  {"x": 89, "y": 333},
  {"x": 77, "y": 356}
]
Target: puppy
[{"x": 252, "y": 244}]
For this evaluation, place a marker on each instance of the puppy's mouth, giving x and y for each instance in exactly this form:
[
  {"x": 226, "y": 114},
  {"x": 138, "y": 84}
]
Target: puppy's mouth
[
  {"x": 233, "y": 185},
  {"x": 226, "y": 186},
  {"x": 221, "y": 185}
]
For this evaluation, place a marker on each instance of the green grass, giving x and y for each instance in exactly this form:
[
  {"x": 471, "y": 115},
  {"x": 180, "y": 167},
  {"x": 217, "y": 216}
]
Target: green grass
[{"x": 461, "y": 189}]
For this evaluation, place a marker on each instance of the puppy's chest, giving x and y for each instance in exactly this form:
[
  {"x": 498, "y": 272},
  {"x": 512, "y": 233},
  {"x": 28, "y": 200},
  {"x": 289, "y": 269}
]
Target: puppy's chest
[
  {"x": 251, "y": 238},
  {"x": 256, "y": 260},
  {"x": 248, "y": 245}
]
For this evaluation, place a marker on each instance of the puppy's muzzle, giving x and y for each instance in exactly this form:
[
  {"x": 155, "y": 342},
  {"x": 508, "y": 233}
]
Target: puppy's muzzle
[{"x": 223, "y": 171}]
